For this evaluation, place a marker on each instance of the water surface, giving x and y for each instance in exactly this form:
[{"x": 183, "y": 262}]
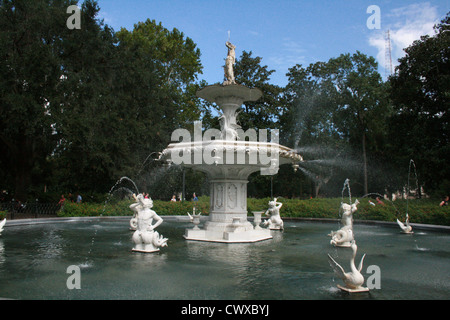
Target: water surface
[{"x": 293, "y": 265}]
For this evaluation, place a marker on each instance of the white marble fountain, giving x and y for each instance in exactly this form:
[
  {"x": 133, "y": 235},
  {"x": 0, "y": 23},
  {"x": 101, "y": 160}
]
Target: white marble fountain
[{"x": 228, "y": 156}]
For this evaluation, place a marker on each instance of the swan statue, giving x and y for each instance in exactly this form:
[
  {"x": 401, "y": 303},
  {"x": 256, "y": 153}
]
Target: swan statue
[
  {"x": 406, "y": 228},
  {"x": 353, "y": 280},
  {"x": 2, "y": 224}
]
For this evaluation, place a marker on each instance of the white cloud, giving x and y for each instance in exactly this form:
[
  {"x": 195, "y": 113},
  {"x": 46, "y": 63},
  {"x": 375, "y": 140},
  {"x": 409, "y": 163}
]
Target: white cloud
[
  {"x": 254, "y": 33},
  {"x": 289, "y": 54},
  {"x": 107, "y": 19},
  {"x": 406, "y": 24}
]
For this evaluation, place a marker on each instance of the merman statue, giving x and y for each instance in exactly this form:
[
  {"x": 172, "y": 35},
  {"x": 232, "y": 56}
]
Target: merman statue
[
  {"x": 275, "y": 222},
  {"x": 145, "y": 237},
  {"x": 344, "y": 236}
]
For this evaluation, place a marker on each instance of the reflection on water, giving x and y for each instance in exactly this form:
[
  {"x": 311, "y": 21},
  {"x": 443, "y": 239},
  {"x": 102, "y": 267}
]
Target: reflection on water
[
  {"x": 2, "y": 252},
  {"x": 292, "y": 265}
]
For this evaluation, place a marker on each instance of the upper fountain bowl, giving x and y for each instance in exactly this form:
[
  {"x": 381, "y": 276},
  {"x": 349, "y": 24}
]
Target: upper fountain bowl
[{"x": 238, "y": 93}]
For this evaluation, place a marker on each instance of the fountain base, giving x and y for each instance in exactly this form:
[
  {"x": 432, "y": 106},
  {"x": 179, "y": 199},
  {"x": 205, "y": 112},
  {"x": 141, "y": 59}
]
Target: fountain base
[
  {"x": 343, "y": 245},
  {"x": 235, "y": 236},
  {"x": 360, "y": 289},
  {"x": 145, "y": 251}
]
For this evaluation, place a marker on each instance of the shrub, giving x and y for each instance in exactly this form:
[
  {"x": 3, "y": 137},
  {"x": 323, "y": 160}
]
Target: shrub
[
  {"x": 121, "y": 208},
  {"x": 420, "y": 210}
]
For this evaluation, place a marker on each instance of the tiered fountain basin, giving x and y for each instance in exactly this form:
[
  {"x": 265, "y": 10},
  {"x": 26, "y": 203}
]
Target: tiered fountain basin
[
  {"x": 228, "y": 156},
  {"x": 235, "y": 161}
]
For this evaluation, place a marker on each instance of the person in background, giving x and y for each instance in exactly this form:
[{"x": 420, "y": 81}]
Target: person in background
[
  {"x": 379, "y": 201},
  {"x": 444, "y": 202},
  {"x": 61, "y": 201}
]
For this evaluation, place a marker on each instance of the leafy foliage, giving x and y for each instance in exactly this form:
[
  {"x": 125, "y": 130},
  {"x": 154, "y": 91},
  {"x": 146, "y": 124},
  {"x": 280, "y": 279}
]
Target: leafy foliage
[
  {"x": 421, "y": 97},
  {"x": 81, "y": 108},
  {"x": 420, "y": 211}
]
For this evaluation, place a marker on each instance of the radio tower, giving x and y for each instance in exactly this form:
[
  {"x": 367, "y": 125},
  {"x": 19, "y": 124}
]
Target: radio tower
[{"x": 388, "y": 55}]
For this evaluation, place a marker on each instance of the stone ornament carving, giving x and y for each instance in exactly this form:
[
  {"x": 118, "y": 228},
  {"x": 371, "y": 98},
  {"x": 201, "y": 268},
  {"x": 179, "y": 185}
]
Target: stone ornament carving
[
  {"x": 344, "y": 236},
  {"x": 353, "y": 280},
  {"x": 133, "y": 222},
  {"x": 219, "y": 196},
  {"x": 195, "y": 219},
  {"x": 232, "y": 196},
  {"x": 229, "y": 127},
  {"x": 145, "y": 238},
  {"x": 275, "y": 222},
  {"x": 257, "y": 219}
]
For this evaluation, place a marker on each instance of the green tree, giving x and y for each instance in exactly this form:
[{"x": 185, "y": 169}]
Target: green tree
[
  {"x": 90, "y": 122},
  {"x": 31, "y": 41},
  {"x": 356, "y": 88},
  {"x": 157, "y": 88},
  {"x": 264, "y": 113},
  {"x": 420, "y": 93},
  {"x": 81, "y": 108},
  {"x": 332, "y": 106}
]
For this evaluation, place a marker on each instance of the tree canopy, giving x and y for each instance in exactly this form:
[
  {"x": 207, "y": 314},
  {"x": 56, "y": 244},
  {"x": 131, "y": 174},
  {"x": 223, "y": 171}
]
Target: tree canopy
[{"x": 81, "y": 108}]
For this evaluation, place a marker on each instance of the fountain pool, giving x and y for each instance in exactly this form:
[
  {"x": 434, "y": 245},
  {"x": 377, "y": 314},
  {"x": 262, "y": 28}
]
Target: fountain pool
[{"x": 291, "y": 266}]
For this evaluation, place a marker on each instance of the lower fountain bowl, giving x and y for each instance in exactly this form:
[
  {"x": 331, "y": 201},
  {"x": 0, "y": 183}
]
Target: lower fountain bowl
[{"x": 292, "y": 265}]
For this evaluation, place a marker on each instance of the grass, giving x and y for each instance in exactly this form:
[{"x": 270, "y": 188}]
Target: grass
[{"x": 424, "y": 211}]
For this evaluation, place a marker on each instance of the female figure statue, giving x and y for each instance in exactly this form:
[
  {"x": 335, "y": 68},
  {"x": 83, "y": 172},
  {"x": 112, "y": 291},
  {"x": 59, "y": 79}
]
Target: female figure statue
[{"x": 229, "y": 62}]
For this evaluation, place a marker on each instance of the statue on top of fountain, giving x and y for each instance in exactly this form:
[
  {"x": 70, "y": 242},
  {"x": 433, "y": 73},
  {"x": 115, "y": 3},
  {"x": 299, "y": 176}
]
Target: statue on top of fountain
[
  {"x": 344, "y": 236},
  {"x": 229, "y": 63},
  {"x": 146, "y": 239},
  {"x": 275, "y": 222}
]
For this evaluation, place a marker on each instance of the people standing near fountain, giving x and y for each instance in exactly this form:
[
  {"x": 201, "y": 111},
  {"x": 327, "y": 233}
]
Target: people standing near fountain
[
  {"x": 61, "y": 201},
  {"x": 444, "y": 202},
  {"x": 379, "y": 201},
  {"x": 174, "y": 199}
]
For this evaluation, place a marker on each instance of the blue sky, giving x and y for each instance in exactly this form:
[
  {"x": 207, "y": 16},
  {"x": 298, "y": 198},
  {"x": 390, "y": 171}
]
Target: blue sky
[{"x": 283, "y": 32}]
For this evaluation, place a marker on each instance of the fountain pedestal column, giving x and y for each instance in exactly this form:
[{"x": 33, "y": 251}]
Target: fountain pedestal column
[{"x": 228, "y": 215}]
